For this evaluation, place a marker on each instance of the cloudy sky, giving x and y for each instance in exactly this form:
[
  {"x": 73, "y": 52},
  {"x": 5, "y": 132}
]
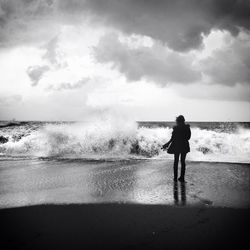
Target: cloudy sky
[{"x": 149, "y": 60}]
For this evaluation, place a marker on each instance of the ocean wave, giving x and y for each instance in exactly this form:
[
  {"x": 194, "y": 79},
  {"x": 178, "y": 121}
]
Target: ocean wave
[{"x": 122, "y": 139}]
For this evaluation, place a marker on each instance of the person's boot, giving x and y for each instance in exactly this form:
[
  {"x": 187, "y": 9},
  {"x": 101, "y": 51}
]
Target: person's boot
[{"x": 181, "y": 179}]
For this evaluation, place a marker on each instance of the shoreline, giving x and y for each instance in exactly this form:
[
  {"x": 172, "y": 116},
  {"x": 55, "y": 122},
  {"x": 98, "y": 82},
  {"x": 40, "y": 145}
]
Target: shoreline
[{"x": 114, "y": 159}]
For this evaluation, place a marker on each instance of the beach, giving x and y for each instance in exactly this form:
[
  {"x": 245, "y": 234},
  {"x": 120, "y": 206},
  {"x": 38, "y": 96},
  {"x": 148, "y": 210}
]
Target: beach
[
  {"x": 98, "y": 101},
  {"x": 86, "y": 204}
]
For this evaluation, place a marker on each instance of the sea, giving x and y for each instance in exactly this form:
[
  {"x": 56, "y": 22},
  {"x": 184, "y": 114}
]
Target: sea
[{"x": 116, "y": 139}]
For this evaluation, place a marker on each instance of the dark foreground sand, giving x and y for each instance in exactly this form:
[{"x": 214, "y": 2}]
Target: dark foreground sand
[{"x": 124, "y": 226}]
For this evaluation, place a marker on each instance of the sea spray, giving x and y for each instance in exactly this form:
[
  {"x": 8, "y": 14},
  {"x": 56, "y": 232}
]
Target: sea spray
[{"x": 113, "y": 137}]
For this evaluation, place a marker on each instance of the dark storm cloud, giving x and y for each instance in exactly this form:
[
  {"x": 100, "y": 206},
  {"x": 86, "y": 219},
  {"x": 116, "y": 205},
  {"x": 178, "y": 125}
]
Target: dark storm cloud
[
  {"x": 68, "y": 86},
  {"x": 178, "y": 23},
  {"x": 35, "y": 73},
  {"x": 155, "y": 63},
  {"x": 230, "y": 64},
  {"x": 25, "y": 21}
]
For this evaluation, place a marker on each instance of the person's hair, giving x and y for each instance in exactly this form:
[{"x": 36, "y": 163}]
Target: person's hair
[{"x": 180, "y": 119}]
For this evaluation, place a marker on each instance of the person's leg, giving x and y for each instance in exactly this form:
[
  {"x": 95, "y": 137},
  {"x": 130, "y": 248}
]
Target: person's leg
[
  {"x": 183, "y": 166},
  {"x": 176, "y": 161}
]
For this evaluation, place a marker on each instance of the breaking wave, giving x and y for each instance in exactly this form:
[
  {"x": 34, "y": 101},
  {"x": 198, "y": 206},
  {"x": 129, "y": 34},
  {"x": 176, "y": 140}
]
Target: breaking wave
[{"x": 121, "y": 139}]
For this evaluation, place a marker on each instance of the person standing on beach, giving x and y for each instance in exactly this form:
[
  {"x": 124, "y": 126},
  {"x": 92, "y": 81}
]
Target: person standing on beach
[{"x": 179, "y": 146}]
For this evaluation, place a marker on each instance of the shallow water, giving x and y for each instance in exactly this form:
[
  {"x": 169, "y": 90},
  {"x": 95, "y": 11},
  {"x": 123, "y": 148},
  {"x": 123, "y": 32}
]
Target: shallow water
[{"x": 40, "y": 181}]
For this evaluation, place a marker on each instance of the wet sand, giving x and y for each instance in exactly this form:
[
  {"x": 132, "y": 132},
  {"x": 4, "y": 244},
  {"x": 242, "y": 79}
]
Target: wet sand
[
  {"x": 33, "y": 182},
  {"x": 123, "y": 205}
]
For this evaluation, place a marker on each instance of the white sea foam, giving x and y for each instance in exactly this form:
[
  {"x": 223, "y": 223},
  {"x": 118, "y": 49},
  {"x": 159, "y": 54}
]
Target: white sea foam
[{"x": 124, "y": 139}]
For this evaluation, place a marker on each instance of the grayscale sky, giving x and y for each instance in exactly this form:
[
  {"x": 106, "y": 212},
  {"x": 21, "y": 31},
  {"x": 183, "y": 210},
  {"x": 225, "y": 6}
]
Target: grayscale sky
[{"x": 149, "y": 60}]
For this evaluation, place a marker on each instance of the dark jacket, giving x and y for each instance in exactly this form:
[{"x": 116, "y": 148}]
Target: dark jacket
[{"x": 179, "y": 140}]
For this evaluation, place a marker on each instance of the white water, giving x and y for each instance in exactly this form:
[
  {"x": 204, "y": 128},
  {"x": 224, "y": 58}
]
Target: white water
[{"x": 109, "y": 138}]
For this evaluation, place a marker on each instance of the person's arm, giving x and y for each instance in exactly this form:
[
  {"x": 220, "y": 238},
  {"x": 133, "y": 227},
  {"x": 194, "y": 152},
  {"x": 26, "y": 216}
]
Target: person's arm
[{"x": 171, "y": 139}]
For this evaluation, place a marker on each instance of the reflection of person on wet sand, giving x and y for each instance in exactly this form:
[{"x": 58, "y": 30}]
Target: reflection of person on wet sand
[
  {"x": 176, "y": 193},
  {"x": 179, "y": 146}
]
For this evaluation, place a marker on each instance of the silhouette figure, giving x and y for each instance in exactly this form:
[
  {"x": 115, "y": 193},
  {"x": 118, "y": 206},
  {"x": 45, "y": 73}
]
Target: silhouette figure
[
  {"x": 179, "y": 146},
  {"x": 176, "y": 193}
]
